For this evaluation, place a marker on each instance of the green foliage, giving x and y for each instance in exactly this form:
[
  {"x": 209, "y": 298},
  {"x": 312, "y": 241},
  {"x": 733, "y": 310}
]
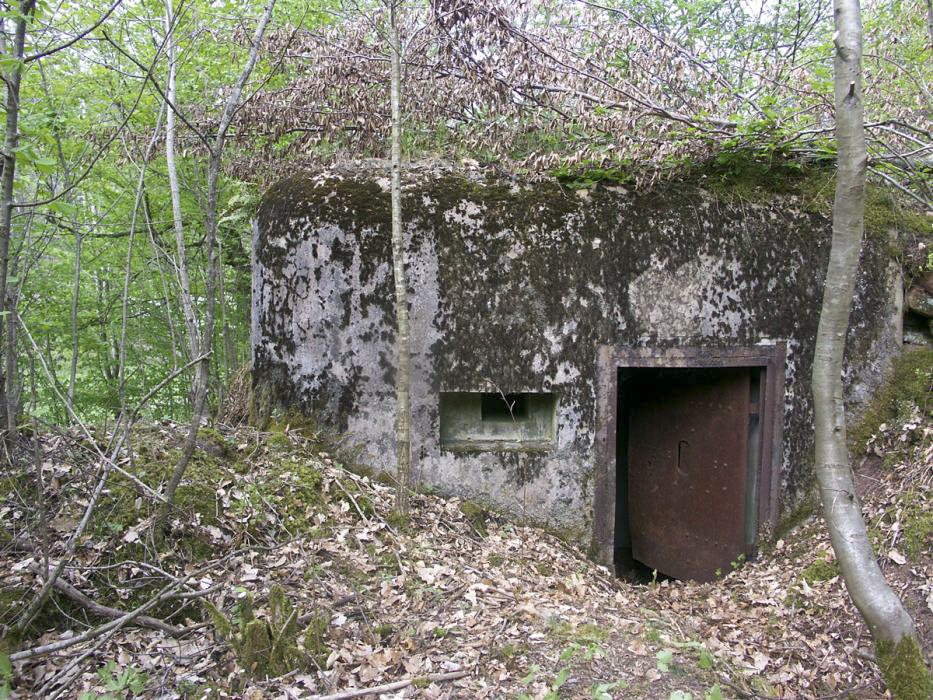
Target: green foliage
[
  {"x": 904, "y": 669},
  {"x": 6, "y": 676},
  {"x": 664, "y": 657},
  {"x": 476, "y": 515},
  {"x": 586, "y": 651},
  {"x": 748, "y": 174},
  {"x": 585, "y": 177},
  {"x": 907, "y": 387},
  {"x": 602, "y": 691},
  {"x": 820, "y": 570},
  {"x": 269, "y": 646},
  {"x": 553, "y": 685},
  {"x": 118, "y": 682}
]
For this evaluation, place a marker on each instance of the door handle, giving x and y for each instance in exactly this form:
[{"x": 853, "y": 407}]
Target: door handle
[{"x": 682, "y": 456}]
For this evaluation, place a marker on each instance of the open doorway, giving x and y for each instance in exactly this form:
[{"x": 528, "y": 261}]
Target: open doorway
[{"x": 691, "y": 437}]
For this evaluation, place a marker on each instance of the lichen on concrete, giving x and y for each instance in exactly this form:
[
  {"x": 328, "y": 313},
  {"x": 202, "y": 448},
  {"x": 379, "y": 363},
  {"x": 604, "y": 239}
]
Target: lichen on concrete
[{"x": 515, "y": 284}]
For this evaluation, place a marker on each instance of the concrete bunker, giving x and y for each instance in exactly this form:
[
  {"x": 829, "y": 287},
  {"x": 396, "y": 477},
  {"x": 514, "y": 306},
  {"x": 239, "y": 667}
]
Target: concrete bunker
[{"x": 535, "y": 309}]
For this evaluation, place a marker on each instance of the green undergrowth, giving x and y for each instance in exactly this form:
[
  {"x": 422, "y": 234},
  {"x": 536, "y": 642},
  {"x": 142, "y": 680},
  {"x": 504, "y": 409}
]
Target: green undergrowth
[
  {"x": 251, "y": 490},
  {"x": 906, "y": 389},
  {"x": 584, "y": 177},
  {"x": 273, "y": 644},
  {"x": 586, "y": 634},
  {"x": 476, "y": 515},
  {"x": 281, "y": 428},
  {"x": 914, "y": 517},
  {"x": 753, "y": 176},
  {"x": 918, "y": 529},
  {"x": 820, "y": 570},
  {"x": 230, "y": 496}
]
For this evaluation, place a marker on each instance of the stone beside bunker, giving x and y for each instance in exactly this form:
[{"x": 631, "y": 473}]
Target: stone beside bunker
[{"x": 520, "y": 290}]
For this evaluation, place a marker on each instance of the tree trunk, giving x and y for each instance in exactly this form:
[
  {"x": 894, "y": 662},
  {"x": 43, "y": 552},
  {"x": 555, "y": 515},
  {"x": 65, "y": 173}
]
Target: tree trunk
[
  {"x": 75, "y": 298},
  {"x": 898, "y": 652},
  {"x": 403, "y": 378},
  {"x": 205, "y": 340},
  {"x": 11, "y": 140},
  {"x": 930, "y": 20},
  {"x": 184, "y": 282}
]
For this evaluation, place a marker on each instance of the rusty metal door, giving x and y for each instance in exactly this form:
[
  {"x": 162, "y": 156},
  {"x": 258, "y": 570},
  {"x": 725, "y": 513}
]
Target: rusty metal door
[{"x": 687, "y": 470}]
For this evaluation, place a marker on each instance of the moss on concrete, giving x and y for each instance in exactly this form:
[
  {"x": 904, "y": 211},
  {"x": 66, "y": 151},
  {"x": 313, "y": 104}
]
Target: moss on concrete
[
  {"x": 801, "y": 513},
  {"x": 904, "y": 669},
  {"x": 525, "y": 254}
]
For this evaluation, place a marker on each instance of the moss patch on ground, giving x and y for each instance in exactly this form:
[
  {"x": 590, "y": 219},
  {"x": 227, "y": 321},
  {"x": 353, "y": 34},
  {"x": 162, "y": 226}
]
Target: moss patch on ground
[
  {"x": 917, "y": 525},
  {"x": 476, "y": 515},
  {"x": 907, "y": 387},
  {"x": 820, "y": 570}
]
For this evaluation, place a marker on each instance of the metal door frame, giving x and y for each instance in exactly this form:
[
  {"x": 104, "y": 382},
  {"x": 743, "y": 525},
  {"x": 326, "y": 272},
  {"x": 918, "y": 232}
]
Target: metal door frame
[{"x": 611, "y": 359}]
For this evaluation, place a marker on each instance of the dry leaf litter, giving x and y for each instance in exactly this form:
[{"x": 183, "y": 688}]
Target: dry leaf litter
[{"x": 515, "y": 610}]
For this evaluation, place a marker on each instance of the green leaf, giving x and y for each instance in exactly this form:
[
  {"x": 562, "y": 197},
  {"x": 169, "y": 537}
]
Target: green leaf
[
  {"x": 6, "y": 668},
  {"x": 714, "y": 693},
  {"x": 60, "y": 206},
  {"x": 562, "y": 677},
  {"x": 532, "y": 672},
  {"x": 601, "y": 691},
  {"x": 664, "y": 657},
  {"x": 569, "y": 652},
  {"x": 45, "y": 165},
  {"x": 680, "y": 695}
]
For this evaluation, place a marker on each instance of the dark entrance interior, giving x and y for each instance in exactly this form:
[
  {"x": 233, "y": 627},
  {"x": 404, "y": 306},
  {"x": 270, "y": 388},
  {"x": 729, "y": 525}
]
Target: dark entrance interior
[{"x": 688, "y": 450}]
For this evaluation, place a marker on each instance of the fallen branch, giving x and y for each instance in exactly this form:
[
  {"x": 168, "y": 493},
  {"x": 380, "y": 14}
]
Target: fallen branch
[
  {"x": 389, "y": 687},
  {"x": 120, "y": 622},
  {"x": 70, "y": 591}
]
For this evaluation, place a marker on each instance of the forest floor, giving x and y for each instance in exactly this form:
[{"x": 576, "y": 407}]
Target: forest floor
[{"x": 454, "y": 602}]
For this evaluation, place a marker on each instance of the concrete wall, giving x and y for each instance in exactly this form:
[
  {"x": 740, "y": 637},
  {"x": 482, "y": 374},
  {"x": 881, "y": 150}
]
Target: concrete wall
[{"x": 515, "y": 285}]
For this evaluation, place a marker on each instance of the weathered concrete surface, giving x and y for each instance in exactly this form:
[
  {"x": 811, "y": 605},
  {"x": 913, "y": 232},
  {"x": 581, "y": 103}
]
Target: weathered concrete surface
[{"x": 516, "y": 285}]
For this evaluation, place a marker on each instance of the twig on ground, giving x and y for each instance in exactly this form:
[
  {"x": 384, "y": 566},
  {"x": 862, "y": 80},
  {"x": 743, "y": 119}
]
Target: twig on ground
[
  {"x": 352, "y": 500},
  {"x": 389, "y": 687}
]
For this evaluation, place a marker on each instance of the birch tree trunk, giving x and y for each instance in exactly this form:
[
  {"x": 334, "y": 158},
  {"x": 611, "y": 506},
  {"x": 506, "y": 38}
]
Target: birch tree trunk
[
  {"x": 896, "y": 646},
  {"x": 200, "y": 349},
  {"x": 182, "y": 270},
  {"x": 403, "y": 378}
]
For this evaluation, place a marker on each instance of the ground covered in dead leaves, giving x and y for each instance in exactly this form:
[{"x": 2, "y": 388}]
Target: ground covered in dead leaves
[{"x": 452, "y": 603}]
